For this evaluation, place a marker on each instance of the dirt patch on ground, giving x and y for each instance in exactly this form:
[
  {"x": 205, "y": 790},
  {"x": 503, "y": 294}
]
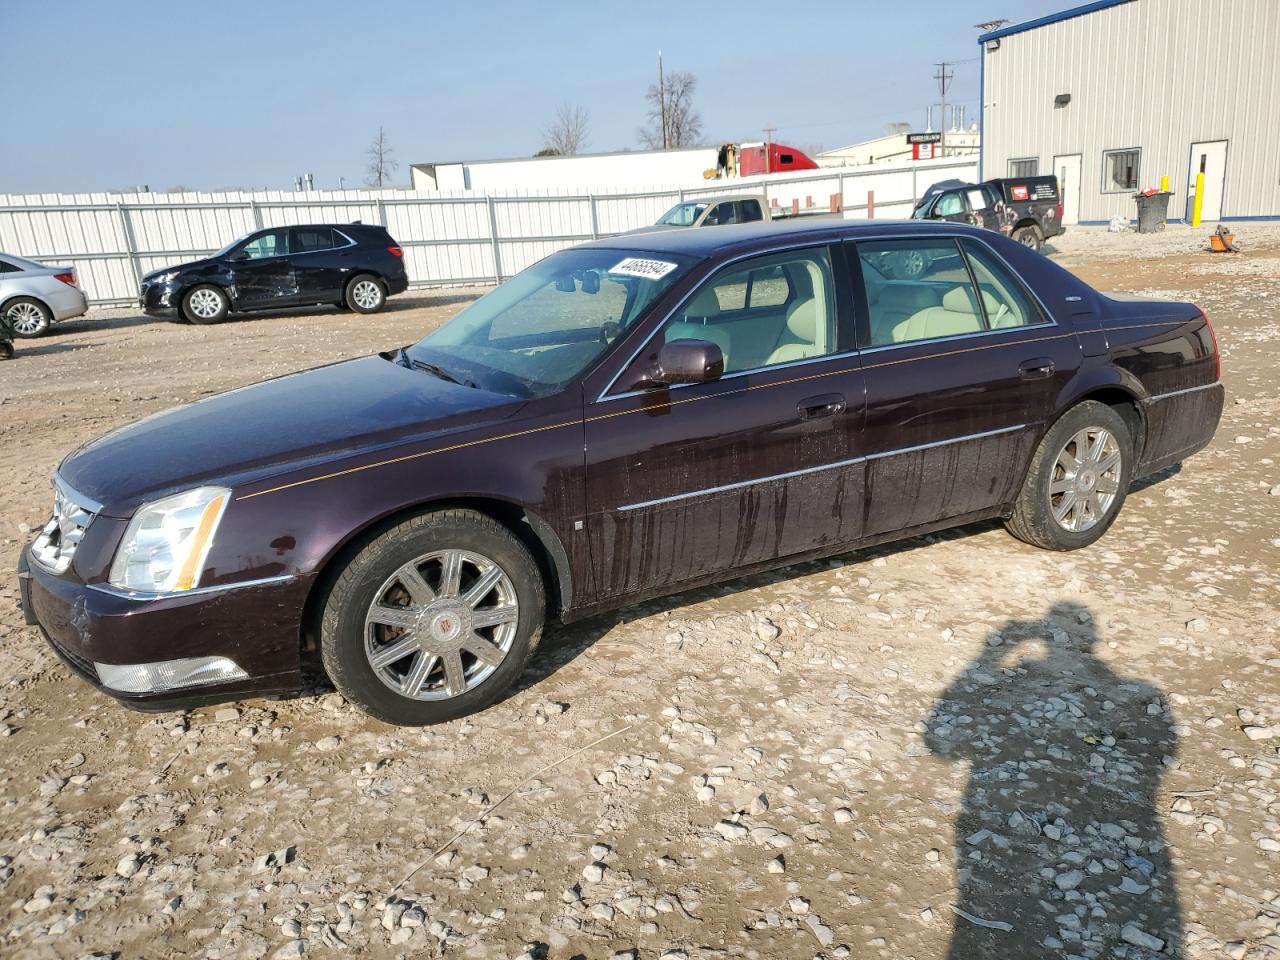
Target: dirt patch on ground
[{"x": 1079, "y": 749}]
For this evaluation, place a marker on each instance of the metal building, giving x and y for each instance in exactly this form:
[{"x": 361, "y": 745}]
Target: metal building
[{"x": 1111, "y": 96}]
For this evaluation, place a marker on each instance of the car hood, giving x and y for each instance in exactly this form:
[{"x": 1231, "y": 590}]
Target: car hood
[
  {"x": 263, "y": 430},
  {"x": 207, "y": 261}
]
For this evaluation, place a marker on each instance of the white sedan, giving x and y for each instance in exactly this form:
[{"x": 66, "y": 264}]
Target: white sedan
[{"x": 33, "y": 296}]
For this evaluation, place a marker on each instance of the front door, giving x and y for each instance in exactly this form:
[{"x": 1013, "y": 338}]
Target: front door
[
  {"x": 261, "y": 273},
  {"x": 959, "y": 380},
  {"x": 1209, "y": 158},
  {"x": 695, "y": 481},
  {"x": 1067, "y": 169}
]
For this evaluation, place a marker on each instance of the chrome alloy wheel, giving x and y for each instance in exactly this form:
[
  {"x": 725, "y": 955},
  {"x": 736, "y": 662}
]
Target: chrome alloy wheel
[
  {"x": 1085, "y": 480},
  {"x": 26, "y": 319},
  {"x": 205, "y": 304},
  {"x": 366, "y": 294},
  {"x": 441, "y": 624}
]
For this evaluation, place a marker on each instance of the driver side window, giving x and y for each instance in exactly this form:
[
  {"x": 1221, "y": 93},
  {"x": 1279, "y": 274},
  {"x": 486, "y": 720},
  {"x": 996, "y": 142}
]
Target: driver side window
[
  {"x": 787, "y": 315},
  {"x": 270, "y": 244},
  {"x": 949, "y": 205}
]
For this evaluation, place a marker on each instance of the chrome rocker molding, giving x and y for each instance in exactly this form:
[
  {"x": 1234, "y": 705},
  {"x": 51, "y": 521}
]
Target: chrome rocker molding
[{"x": 807, "y": 470}]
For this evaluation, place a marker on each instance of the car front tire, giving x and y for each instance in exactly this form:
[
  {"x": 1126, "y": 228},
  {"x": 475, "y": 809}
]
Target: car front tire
[
  {"x": 28, "y": 317},
  {"x": 433, "y": 619},
  {"x": 1077, "y": 481},
  {"x": 205, "y": 304},
  {"x": 366, "y": 294}
]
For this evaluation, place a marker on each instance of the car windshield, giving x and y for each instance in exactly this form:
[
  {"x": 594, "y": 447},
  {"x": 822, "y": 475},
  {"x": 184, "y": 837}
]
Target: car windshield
[
  {"x": 683, "y": 214},
  {"x": 541, "y": 329},
  {"x": 232, "y": 245}
]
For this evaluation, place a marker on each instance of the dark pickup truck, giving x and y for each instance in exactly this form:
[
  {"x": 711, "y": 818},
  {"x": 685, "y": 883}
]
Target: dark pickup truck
[{"x": 1028, "y": 209}]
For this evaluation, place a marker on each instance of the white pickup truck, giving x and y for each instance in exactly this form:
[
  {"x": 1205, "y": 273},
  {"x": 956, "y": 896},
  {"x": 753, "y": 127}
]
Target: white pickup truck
[{"x": 713, "y": 212}]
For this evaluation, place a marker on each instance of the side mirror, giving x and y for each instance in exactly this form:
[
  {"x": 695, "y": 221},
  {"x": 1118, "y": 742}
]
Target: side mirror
[
  {"x": 689, "y": 361},
  {"x": 240, "y": 257}
]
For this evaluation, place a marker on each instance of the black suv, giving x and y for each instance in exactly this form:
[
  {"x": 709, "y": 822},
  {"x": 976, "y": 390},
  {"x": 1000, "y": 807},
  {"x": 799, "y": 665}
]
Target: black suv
[
  {"x": 1028, "y": 209},
  {"x": 350, "y": 265}
]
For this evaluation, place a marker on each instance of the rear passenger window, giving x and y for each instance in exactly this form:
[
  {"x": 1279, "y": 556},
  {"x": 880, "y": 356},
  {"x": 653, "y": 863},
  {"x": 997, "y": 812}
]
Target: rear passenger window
[
  {"x": 916, "y": 290},
  {"x": 1006, "y": 302},
  {"x": 311, "y": 239},
  {"x": 751, "y": 211},
  {"x": 765, "y": 311},
  {"x": 6, "y": 267}
]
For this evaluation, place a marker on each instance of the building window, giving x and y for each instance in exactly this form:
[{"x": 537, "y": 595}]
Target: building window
[
  {"x": 1024, "y": 167},
  {"x": 1120, "y": 170}
]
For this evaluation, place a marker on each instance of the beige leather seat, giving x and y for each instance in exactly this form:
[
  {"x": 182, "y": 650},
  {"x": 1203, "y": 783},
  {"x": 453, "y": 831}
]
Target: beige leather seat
[
  {"x": 694, "y": 325},
  {"x": 958, "y": 314},
  {"x": 898, "y": 302},
  {"x": 807, "y": 327}
]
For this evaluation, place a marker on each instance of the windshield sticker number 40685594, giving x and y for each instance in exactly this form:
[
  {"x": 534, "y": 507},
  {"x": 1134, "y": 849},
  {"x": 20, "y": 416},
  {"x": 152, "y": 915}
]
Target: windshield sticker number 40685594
[{"x": 640, "y": 267}]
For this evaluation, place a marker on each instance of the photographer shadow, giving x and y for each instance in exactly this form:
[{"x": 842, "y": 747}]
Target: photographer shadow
[{"x": 1059, "y": 837}]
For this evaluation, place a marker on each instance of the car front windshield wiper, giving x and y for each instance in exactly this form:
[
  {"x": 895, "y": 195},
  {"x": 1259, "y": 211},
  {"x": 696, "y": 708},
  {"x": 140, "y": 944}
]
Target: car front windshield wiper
[{"x": 433, "y": 369}]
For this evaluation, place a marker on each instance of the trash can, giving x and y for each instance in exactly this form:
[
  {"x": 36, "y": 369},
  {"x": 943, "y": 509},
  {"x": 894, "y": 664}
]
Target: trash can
[{"x": 1153, "y": 211}]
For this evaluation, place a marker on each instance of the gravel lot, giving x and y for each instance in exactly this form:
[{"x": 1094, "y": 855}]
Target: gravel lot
[{"x": 1077, "y": 751}]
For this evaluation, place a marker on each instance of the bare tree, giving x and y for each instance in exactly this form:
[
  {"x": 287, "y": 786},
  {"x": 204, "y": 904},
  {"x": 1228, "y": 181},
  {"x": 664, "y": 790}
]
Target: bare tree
[
  {"x": 672, "y": 120},
  {"x": 381, "y": 166},
  {"x": 567, "y": 133}
]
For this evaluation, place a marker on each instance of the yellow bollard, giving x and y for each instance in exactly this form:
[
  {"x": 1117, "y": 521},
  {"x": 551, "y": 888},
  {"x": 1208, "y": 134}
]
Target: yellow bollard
[
  {"x": 1199, "y": 200},
  {"x": 1164, "y": 184}
]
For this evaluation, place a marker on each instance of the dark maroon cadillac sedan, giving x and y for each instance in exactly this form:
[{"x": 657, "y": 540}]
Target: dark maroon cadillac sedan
[{"x": 623, "y": 419}]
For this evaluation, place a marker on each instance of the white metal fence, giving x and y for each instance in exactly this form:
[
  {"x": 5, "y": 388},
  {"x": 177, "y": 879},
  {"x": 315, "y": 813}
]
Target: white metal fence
[{"x": 112, "y": 240}]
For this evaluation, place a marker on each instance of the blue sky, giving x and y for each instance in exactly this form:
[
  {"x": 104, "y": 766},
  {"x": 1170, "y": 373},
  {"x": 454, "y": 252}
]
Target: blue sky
[{"x": 103, "y": 96}]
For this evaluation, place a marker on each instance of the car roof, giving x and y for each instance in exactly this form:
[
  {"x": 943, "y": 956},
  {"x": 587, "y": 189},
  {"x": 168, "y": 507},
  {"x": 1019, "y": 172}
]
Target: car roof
[{"x": 733, "y": 239}]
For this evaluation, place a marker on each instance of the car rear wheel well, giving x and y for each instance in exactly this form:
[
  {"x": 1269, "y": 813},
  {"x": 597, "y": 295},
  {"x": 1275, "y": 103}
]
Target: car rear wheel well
[
  {"x": 533, "y": 532},
  {"x": 1130, "y": 410},
  {"x": 24, "y": 296},
  {"x": 1026, "y": 222}
]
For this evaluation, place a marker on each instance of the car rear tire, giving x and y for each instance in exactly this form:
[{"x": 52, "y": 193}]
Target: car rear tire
[
  {"x": 433, "y": 619},
  {"x": 28, "y": 317},
  {"x": 1077, "y": 481},
  {"x": 366, "y": 294},
  {"x": 6, "y": 350},
  {"x": 1029, "y": 236},
  {"x": 205, "y": 304}
]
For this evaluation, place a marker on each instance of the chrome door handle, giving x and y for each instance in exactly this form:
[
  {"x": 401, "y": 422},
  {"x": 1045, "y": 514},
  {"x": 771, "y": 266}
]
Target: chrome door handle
[
  {"x": 1039, "y": 369},
  {"x": 815, "y": 408}
]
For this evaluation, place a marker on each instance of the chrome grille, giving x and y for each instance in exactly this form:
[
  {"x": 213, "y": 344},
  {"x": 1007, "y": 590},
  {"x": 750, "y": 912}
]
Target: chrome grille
[{"x": 56, "y": 545}]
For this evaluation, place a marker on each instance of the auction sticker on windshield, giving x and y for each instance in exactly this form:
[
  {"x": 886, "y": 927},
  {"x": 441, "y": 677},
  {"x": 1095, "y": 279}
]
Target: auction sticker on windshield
[{"x": 645, "y": 269}]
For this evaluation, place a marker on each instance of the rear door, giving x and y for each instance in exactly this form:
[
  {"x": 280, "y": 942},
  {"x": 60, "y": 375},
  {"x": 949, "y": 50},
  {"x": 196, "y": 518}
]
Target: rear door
[
  {"x": 261, "y": 273},
  {"x": 320, "y": 257},
  {"x": 695, "y": 481},
  {"x": 958, "y": 385}
]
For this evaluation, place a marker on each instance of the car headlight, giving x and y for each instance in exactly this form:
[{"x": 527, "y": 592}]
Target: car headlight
[
  {"x": 166, "y": 542},
  {"x": 165, "y": 277}
]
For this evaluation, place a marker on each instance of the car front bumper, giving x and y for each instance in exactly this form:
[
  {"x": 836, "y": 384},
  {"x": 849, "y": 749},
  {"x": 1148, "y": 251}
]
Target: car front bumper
[
  {"x": 256, "y": 625},
  {"x": 159, "y": 299}
]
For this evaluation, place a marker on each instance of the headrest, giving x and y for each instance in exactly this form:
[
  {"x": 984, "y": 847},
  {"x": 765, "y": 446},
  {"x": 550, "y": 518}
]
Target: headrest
[
  {"x": 802, "y": 320},
  {"x": 907, "y": 296},
  {"x": 960, "y": 300},
  {"x": 705, "y": 304}
]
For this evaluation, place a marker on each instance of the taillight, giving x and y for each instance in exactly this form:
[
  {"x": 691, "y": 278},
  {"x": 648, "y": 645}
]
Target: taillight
[
  {"x": 1059, "y": 213},
  {"x": 1217, "y": 357},
  {"x": 395, "y": 251},
  {"x": 67, "y": 278}
]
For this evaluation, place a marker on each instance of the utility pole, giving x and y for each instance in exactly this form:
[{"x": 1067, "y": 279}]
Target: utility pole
[
  {"x": 943, "y": 76},
  {"x": 662, "y": 100},
  {"x": 768, "y": 148}
]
